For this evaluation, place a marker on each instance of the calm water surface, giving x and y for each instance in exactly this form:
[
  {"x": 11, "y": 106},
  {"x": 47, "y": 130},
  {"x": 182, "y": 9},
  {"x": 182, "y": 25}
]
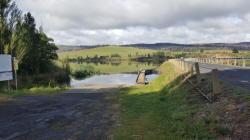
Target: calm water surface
[{"x": 121, "y": 79}]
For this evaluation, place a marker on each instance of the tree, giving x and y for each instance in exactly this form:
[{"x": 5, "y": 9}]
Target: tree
[
  {"x": 30, "y": 39},
  {"x": 20, "y": 38},
  {"x": 39, "y": 49},
  {"x": 47, "y": 50},
  {"x": 235, "y": 50},
  {"x": 149, "y": 55},
  {"x": 10, "y": 16}
]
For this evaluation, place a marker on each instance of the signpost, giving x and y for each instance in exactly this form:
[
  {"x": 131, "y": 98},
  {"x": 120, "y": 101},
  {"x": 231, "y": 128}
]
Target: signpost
[{"x": 15, "y": 63}]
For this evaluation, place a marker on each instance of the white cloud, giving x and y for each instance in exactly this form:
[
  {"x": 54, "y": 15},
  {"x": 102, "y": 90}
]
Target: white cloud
[{"x": 142, "y": 21}]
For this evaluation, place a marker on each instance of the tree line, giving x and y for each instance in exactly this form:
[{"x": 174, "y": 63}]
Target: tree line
[{"x": 20, "y": 38}]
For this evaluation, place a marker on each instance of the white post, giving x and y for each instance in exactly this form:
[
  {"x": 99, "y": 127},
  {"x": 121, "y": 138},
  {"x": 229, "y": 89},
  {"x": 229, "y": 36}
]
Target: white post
[{"x": 244, "y": 62}]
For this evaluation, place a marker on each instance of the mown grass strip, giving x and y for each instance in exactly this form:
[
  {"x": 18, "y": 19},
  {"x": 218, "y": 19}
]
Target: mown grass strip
[{"x": 162, "y": 110}]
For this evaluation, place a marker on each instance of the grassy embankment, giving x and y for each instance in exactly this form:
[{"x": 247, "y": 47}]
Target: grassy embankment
[
  {"x": 168, "y": 108},
  {"x": 164, "y": 109}
]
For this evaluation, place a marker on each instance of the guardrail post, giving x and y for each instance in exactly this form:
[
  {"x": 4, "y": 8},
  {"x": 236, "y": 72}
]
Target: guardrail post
[
  {"x": 228, "y": 61},
  {"x": 235, "y": 62},
  {"x": 192, "y": 69},
  {"x": 182, "y": 63},
  {"x": 185, "y": 66},
  {"x": 198, "y": 74},
  {"x": 244, "y": 62},
  {"x": 216, "y": 85}
]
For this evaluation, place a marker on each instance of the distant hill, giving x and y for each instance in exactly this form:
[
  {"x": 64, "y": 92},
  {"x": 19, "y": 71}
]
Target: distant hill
[{"x": 167, "y": 46}]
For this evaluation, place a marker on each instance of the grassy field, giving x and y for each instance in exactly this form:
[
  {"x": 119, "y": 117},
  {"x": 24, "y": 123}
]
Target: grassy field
[
  {"x": 162, "y": 110},
  {"x": 106, "y": 51}
]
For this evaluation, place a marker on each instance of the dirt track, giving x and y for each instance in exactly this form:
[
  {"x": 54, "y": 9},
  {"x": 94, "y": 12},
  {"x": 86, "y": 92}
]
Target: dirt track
[{"x": 80, "y": 114}]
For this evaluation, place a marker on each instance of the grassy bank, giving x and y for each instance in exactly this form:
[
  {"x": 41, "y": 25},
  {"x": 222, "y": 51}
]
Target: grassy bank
[
  {"x": 164, "y": 109},
  {"x": 35, "y": 91}
]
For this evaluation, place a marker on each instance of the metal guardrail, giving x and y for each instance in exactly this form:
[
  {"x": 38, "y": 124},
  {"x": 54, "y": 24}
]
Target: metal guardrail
[
  {"x": 240, "y": 62},
  {"x": 188, "y": 71}
]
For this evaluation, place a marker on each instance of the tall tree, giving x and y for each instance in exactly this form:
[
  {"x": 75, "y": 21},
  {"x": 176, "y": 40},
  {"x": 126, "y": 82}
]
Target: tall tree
[
  {"x": 47, "y": 50},
  {"x": 20, "y": 38},
  {"x": 10, "y": 15},
  {"x": 30, "y": 39}
]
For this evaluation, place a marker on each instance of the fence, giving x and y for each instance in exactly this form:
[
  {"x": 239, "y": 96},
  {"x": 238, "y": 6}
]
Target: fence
[
  {"x": 241, "y": 62},
  {"x": 193, "y": 69}
]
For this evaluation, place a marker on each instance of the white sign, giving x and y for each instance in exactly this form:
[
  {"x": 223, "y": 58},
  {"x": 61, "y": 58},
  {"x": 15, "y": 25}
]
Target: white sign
[{"x": 5, "y": 68}]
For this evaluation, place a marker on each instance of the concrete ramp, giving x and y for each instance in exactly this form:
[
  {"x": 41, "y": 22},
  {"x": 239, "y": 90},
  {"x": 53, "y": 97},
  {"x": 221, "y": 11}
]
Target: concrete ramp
[{"x": 141, "y": 77}]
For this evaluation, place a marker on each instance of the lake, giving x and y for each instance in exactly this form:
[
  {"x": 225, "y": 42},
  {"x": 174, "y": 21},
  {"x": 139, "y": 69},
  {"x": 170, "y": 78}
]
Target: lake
[
  {"x": 122, "y": 73},
  {"x": 120, "y": 79}
]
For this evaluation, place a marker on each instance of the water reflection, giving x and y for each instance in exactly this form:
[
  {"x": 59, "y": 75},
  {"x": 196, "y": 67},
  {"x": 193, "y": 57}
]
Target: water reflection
[
  {"x": 121, "y": 79},
  {"x": 115, "y": 67}
]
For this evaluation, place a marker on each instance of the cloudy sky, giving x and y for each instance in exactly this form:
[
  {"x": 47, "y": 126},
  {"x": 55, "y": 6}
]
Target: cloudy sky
[{"x": 91, "y": 22}]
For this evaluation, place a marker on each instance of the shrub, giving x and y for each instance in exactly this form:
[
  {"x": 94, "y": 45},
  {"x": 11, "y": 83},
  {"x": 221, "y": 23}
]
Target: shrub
[{"x": 83, "y": 72}]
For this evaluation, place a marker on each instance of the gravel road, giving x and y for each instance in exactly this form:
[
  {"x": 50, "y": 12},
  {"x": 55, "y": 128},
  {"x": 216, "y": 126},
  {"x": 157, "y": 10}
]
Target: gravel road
[{"x": 78, "y": 114}]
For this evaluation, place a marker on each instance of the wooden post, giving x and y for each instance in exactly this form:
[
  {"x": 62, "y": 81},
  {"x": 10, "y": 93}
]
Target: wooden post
[
  {"x": 183, "y": 65},
  {"x": 192, "y": 69},
  {"x": 216, "y": 85},
  {"x": 198, "y": 74},
  {"x": 187, "y": 67}
]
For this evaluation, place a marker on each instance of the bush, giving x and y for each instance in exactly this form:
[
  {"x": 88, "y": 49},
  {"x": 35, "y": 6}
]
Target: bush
[
  {"x": 235, "y": 50},
  {"x": 115, "y": 55},
  {"x": 83, "y": 72}
]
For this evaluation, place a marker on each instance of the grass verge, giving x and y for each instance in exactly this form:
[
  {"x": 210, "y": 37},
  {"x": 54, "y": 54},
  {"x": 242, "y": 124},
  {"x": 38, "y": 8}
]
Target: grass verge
[
  {"x": 35, "y": 91},
  {"x": 164, "y": 109}
]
